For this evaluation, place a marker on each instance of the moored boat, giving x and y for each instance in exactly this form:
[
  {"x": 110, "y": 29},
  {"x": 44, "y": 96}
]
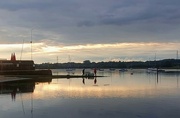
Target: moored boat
[
  {"x": 123, "y": 70},
  {"x": 154, "y": 70}
]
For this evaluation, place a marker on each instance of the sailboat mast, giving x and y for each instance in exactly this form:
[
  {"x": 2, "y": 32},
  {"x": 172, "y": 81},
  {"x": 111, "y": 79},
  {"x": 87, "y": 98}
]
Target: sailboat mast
[
  {"x": 69, "y": 59},
  {"x": 22, "y": 50},
  {"x": 177, "y": 55},
  {"x": 31, "y": 43}
]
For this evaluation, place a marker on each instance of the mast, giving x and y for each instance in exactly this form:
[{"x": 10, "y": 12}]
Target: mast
[
  {"x": 177, "y": 59},
  {"x": 22, "y": 49},
  {"x": 155, "y": 61},
  {"x": 57, "y": 59},
  {"x": 177, "y": 55},
  {"x": 31, "y": 43}
]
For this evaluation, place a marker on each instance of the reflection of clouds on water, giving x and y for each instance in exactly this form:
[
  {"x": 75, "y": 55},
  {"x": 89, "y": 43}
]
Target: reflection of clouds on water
[
  {"x": 116, "y": 85},
  {"x": 98, "y": 91},
  {"x": 136, "y": 95}
]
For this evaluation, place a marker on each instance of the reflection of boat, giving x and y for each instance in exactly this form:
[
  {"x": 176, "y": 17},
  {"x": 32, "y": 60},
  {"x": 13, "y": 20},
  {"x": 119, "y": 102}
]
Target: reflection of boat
[
  {"x": 19, "y": 85},
  {"x": 14, "y": 85},
  {"x": 20, "y": 67}
]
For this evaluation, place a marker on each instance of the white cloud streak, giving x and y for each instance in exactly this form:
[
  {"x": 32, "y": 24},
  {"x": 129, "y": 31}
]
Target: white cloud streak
[{"x": 42, "y": 52}]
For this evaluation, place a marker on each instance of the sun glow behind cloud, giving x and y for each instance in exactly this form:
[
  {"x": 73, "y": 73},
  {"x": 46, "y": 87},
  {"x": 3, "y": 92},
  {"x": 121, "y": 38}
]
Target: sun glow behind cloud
[{"x": 43, "y": 52}]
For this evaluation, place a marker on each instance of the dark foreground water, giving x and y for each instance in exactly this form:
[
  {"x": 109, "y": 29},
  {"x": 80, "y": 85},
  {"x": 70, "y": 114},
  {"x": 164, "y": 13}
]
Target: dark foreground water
[{"x": 120, "y": 94}]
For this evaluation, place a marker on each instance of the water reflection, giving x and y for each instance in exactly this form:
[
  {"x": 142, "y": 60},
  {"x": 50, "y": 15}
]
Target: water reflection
[
  {"x": 119, "y": 94},
  {"x": 138, "y": 84},
  {"x": 95, "y": 80},
  {"x": 20, "y": 86},
  {"x": 83, "y": 81}
]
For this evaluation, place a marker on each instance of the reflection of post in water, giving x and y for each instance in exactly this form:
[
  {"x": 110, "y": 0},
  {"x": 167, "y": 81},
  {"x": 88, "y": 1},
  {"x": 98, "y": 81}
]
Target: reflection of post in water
[
  {"x": 157, "y": 74},
  {"x": 177, "y": 73},
  {"x": 22, "y": 103},
  {"x": 31, "y": 105},
  {"x": 177, "y": 76},
  {"x": 13, "y": 94}
]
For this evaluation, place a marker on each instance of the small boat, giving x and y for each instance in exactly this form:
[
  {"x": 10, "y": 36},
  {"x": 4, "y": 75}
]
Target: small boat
[
  {"x": 112, "y": 69},
  {"x": 123, "y": 70},
  {"x": 150, "y": 70},
  {"x": 100, "y": 69},
  {"x": 70, "y": 69},
  {"x": 154, "y": 70}
]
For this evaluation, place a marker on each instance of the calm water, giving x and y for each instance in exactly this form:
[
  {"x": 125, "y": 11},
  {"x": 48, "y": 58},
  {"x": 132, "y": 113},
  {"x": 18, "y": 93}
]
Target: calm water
[{"x": 120, "y": 94}]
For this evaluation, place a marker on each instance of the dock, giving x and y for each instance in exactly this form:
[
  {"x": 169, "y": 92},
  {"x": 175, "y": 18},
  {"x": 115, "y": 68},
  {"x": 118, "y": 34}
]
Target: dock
[
  {"x": 74, "y": 76},
  {"x": 53, "y": 76}
]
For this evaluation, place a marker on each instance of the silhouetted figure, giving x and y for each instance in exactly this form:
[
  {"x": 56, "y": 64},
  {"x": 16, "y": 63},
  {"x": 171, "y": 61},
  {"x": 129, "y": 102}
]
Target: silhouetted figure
[
  {"x": 95, "y": 81},
  {"x": 95, "y": 71},
  {"x": 83, "y": 71}
]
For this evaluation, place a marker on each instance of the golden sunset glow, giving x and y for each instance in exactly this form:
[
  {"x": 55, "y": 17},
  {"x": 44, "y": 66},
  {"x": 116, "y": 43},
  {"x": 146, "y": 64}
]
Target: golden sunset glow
[{"x": 107, "y": 51}]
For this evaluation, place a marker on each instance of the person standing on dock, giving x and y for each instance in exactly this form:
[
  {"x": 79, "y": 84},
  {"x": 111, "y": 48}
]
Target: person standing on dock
[
  {"x": 95, "y": 71},
  {"x": 83, "y": 71}
]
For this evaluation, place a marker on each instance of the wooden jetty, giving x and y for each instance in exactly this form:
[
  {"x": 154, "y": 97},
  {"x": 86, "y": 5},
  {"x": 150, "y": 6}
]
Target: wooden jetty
[
  {"x": 53, "y": 76},
  {"x": 75, "y": 76}
]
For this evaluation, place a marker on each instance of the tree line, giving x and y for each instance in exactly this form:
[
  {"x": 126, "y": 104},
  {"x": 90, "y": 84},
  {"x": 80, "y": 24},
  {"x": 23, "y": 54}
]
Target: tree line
[{"x": 165, "y": 63}]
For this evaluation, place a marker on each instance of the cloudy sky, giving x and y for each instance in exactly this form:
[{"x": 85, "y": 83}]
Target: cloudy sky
[{"x": 97, "y": 30}]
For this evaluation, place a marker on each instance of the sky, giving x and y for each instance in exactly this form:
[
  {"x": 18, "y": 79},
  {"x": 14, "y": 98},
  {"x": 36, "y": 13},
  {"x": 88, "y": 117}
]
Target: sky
[{"x": 96, "y": 30}]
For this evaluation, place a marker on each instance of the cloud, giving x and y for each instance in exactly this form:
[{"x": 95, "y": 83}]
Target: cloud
[
  {"x": 96, "y": 53},
  {"x": 84, "y": 22}
]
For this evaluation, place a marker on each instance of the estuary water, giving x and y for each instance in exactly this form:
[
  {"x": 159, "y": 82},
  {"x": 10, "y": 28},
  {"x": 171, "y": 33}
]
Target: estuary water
[{"x": 130, "y": 94}]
